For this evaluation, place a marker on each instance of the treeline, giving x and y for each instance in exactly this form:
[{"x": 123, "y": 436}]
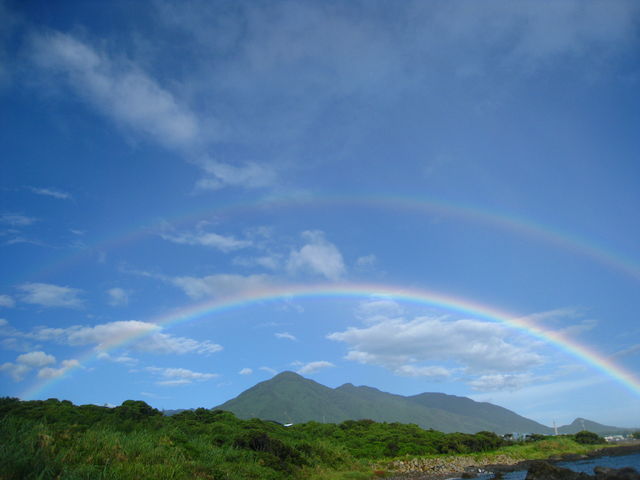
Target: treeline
[{"x": 56, "y": 439}]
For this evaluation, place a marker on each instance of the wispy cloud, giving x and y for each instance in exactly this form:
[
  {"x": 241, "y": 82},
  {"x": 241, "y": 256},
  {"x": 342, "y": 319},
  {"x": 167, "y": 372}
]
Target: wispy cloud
[
  {"x": 313, "y": 367},
  {"x": 632, "y": 350},
  {"x": 118, "y": 297},
  {"x": 51, "y": 192},
  {"x": 207, "y": 239},
  {"x": 245, "y": 371},
  {"x": 49, "y": 295},
  {"x": 143, "y": 337},
  {"x": 501, "y": 382},
  {"x": 17, "y": 219},
  {"x": 286, "y": 336},
  {"x": 179, "y": 376},
  {"x": 317, "y": 256},
  {"x": 247, "y": 175},
  {"x": 121, "y": 90},
  {"x": 124, "y": 358},
  {"x": 7, "y": 301},
  {"x": 221, "y": 285}
]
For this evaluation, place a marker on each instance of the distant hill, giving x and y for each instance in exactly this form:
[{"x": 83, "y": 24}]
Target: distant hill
[
  {"x": 291, "y": 398},
  {"x": 583, "y": 424}
]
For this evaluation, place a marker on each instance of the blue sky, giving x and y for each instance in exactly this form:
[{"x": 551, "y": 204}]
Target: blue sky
[{"x": 157, "y": 155}]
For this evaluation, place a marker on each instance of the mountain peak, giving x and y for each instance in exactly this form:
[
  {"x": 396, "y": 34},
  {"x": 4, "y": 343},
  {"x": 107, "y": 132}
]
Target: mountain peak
[
  {"x": 288, "y": 375},
  {"x": 291, "y": 398}
]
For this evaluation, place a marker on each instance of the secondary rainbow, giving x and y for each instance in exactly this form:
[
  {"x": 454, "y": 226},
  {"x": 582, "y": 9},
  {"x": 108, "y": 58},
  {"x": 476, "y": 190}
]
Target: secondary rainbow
[
  {"x": 505, "y": 221},
  {"x": 208, "y": 311}
]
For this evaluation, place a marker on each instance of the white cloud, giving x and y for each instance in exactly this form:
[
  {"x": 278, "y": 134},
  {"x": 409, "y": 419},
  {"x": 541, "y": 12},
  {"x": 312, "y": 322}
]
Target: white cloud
[
  {"x": 17, "y": 220},
  {"x": 501, "y": 382},
  {"x": 245, "y": 371},
  {"x": 50, "y": 192},
  {"x": 433, "y": 372},
  {"x": 118, "y": 297},
  {"x": 378, "y": 309},
  {"x": 107, "y": 334},
  {"x": 318, "y": 256},
  {"x": 49, "y": 295},
  {"x": 285, "y": 335},
  {"x": 207, "y": 239},
  {"x": 36, "y": 359},
  {"x": 249, "y": 175},
  {"x": 402, "y": 346},
  {"x": 142, "y": 337},
  {"x": 25, "y": 363},
  {"x": 313, "y": 367},
  {"x": 268, "y": 370},
  {"x": 49, "y": 372},
  {"x": 168, "y": 344},
  {"x": 221, "y": 285},
  {"x": 7, "y": 301},
  {"x": 124, "y": 358},
  {"x": 17, "y": 371},
  {"x": 179, "y": 376},
  {"x": 118, "y": 89}
]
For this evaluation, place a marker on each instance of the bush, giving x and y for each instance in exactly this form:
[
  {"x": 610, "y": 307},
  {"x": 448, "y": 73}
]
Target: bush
[{"x": 588, "y": 438}]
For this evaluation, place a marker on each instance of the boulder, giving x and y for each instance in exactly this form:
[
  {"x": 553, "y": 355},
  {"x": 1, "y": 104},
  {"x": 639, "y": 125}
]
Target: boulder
[
  {"x": 627, "y": 473},
  {"x": 546, "y": 471}
]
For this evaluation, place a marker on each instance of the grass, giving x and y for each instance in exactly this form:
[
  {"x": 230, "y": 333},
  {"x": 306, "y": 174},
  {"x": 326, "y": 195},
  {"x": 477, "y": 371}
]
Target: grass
[{"x": 57, "y": 440}]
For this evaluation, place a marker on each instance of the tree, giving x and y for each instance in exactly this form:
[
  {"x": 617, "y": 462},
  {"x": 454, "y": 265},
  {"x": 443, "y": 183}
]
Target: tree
[{"x": 588, "y": 438}]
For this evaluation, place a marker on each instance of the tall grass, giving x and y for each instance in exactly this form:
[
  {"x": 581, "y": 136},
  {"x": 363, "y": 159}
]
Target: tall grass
[{"x": 56, "y": 440}]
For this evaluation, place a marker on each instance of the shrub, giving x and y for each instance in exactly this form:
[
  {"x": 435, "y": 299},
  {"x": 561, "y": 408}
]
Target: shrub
[{"x": 588, "y": 438}]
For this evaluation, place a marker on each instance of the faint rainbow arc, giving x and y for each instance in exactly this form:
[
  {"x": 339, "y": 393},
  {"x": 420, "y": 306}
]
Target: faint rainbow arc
[
  {"x": 504, "y": 221},
  {"x": 349, "y": 290}
]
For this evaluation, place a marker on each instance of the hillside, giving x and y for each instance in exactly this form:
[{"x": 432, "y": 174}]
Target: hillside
[
  {"x": 291, "y": 398},
  {"x": 583, "y": 424}
]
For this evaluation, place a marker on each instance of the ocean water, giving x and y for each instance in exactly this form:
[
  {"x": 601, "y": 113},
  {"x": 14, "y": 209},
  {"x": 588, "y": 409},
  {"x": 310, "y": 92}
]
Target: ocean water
[{"x": 585, "y": 466}]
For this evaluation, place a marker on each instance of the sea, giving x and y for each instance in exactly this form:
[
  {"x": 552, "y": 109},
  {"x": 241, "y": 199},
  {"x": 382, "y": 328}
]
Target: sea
[{"x": 585, "y": 466}]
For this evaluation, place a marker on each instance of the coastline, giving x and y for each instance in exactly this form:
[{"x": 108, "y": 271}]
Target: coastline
[{"x": 448, "y": 468}]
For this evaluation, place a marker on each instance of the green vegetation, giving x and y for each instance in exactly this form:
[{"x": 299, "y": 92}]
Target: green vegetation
[
  {"x": 588, "y": 438},
  {"x": 291, "y": 398},
  {"x": 56, "y": 439}
]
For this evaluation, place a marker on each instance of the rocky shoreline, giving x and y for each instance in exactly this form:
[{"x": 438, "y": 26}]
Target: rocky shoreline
[{"x": 456, "y": 467}]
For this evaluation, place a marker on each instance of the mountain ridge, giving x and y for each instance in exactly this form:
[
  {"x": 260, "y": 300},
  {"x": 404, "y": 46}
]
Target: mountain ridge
[{"x": 291, "y": 398}]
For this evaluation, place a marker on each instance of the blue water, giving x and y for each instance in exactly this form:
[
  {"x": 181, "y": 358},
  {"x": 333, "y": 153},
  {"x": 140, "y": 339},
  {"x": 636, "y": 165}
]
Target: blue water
[{"x": 585, "y": 466}]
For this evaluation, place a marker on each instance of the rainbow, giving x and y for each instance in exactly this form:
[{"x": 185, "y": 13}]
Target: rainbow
[
  {"x": 504, "y": 221},
  {"x": 205, "y": 310}
]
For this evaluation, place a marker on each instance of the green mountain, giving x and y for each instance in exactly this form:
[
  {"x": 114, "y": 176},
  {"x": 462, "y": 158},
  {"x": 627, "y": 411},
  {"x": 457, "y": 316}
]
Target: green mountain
[
  {"x": 583, "y": 424},
  {"x": 290, "y": 398}
]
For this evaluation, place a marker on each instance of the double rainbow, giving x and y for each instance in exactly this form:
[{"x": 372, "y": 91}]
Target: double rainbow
[{"x": 209, "y": 309}]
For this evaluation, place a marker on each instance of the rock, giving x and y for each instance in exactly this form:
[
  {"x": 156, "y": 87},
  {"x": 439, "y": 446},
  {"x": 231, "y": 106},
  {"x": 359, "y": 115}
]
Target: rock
[
  {"x": 628, "y": 473},
  {"x": 546, "y": 471}
]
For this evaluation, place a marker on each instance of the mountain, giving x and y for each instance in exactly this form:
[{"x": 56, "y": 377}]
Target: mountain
[
  {"x": 583, "y": 424},
  {"x": 291, "y": 398}
]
